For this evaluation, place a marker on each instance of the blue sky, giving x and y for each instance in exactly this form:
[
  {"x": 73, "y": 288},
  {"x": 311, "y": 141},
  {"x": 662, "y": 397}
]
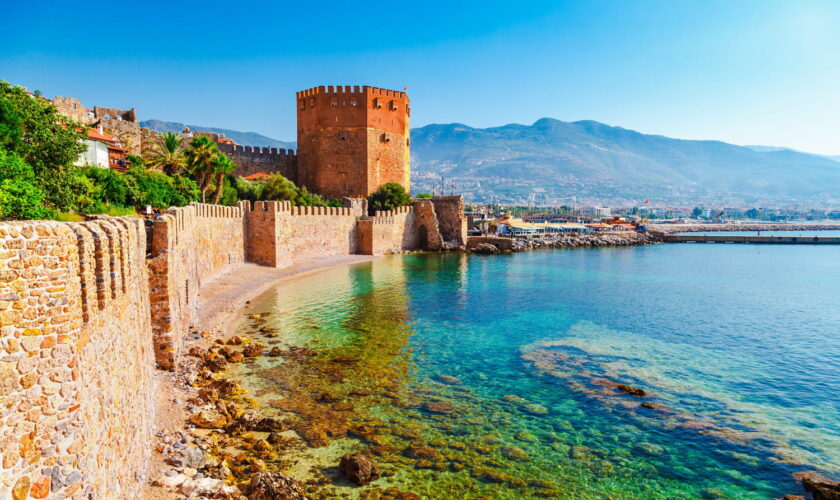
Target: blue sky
[{"x": 747, "y": 72}]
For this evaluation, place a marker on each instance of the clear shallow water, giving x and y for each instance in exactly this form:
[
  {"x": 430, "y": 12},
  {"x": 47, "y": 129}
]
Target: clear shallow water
[{"x": 736, "y": 345}]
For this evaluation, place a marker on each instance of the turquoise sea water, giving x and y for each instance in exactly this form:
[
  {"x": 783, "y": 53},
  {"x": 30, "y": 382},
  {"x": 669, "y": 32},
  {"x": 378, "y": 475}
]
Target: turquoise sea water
[{"x": 736, "y": 346}]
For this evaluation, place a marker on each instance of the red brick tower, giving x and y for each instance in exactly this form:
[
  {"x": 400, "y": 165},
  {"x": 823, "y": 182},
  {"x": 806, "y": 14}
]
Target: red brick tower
[{"x": 352, "y": 140}]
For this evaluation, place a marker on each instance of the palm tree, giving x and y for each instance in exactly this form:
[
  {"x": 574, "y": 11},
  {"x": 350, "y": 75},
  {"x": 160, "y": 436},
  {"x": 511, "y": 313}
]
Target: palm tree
[
  {"x": 167, "y": 155},
  {"x": 222, "y": 166},
  {"x": 200, "y": 157}
]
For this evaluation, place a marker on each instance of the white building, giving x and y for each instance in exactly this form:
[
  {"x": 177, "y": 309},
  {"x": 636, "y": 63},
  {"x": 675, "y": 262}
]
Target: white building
[{"x": 95, "y": 154}]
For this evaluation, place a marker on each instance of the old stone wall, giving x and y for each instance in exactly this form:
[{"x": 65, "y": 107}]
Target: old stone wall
[
  {"x": 250, "y": 160},
  {"x": 190, "y": 246},
  {"x": 76, "y": 368},
  {"x": 451, "y": 219},
  {"x": 279, "y": 235},
  {"x": 406, "y": 228},
  {"x": 73, "y": 109}
]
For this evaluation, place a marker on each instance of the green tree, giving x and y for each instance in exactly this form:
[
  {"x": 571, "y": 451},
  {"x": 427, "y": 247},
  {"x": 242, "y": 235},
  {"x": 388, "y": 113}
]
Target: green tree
[
  {"x": 697, "y": 212},
  {"x": 166, "y": 156},
  {"x": 110, "y": 186},
  {"x": 20, "y": 196},
  {"x": 222, "y": 166},
  {"x": 248, "y": 190},
  {"x": 279, "y": 188},
  {"x": 201, "y": 156},
  {"x": 388, "y": 197},
  {"x": 422, "y": 196},
  {"x": 44, "y": 139}
]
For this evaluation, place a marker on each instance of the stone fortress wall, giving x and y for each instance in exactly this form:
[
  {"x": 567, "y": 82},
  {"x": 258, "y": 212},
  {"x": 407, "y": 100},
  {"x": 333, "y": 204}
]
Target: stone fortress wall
[
  {"x": 76, "y": 367},
  {"x": 189, "y": 246},
  {"x": 250, "y": 160},
  {"x": 122, "y": 122},
  {"x": 88, "y": 309}
]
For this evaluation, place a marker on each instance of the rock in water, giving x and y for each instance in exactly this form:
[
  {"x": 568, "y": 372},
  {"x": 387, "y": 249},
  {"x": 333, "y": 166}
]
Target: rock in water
[
  {"x": 209, "y": 419},
  {"x": 439, "y": 408},
  {"x": 633, "y": 391},
  {"x": 253, "y": 350},
  {"x": 274, "y": 486},
  {"x": 358, "y": 468},
  {"x": 488, "y": 248},
  {"x": 820, "y": 486},
  {"x": 448, "y": 379}
]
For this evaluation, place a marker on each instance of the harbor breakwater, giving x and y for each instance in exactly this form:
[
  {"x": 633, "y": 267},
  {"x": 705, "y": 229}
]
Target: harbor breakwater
[
  {"x": 88, "y": 310},
  {"x": 702, "y": 228}
]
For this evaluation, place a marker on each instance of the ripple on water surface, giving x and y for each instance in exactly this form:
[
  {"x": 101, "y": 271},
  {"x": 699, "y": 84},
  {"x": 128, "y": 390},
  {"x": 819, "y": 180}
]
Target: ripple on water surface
[{"x": 655, "y": 372}]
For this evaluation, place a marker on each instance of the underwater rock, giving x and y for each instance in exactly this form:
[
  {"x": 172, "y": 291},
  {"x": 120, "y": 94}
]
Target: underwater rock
[
  {"x": 649, "y": 449},
  {"x": 489, "y": 439},
  {"x": 512, "y": 398},
  {"x": 383, "y": 449},
  {"x": 275, "y": 351},
  {"x": 439, "y": 408},
  {"x": 422, "y": 452},
  {"x": 818, "y": 485},
  {"x": 492, "y": 476},
  {"x": 633, "y": 391},
  {"x": 448, "y": 379},
  {"x": 273, "y": 486},
  {"x": 712, "y": 493},
  {"x": 515, "y": 453},
  {"x": 525, "y": 436},
  {"x": 253, "y": 350},
  {"x": 358, "y": 468},
  {"x": 535, "y": 409}
]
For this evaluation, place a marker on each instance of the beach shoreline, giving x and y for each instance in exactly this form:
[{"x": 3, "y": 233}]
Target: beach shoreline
[{"x": 217, "y": 308}]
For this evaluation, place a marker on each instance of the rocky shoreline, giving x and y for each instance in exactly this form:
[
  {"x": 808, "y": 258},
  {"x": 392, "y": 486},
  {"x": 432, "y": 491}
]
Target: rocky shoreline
[
  {"x": 584, "y": 241},
  {"x": 701, "y": 228}
]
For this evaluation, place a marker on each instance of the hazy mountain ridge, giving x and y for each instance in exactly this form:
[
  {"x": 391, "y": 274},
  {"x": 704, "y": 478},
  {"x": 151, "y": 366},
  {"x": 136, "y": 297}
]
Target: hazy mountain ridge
[
  {"x": 244, "y": 138},
  {"x": 588, "y": 159}
]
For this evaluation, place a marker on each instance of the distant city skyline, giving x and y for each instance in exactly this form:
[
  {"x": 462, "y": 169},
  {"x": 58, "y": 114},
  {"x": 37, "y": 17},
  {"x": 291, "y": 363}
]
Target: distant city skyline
[{"x": 745, "y": 72}]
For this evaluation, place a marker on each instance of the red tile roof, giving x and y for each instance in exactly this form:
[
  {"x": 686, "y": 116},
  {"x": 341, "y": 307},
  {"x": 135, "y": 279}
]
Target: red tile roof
[
  {"x": 258, "y": 175},
  {"x": 94, "y": 134}
]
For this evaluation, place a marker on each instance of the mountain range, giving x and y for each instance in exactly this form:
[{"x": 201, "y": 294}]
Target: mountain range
[{"x": 554, "y": 162}]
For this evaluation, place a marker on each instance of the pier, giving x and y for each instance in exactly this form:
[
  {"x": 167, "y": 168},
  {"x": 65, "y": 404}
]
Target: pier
[{"x": 774, "y": 240}]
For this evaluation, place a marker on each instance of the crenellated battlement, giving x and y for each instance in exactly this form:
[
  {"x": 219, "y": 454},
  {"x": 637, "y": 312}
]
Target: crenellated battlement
[
  {"x": 397, "y": 211},
  {"x": 240, "y": 149},
  {"x": 350, "y": 89}
]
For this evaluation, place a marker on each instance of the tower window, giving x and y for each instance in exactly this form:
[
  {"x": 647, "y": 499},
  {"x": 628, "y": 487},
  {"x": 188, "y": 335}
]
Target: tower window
[
  {"x": 385, "y": 138},
  {"x": 342, "y": 136},
  {"x": 334, "y": 101},
  {"x": 377, "y": 103},
  {"x": 393, "y": 105},
  {"x": 353, "y": 101}
]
